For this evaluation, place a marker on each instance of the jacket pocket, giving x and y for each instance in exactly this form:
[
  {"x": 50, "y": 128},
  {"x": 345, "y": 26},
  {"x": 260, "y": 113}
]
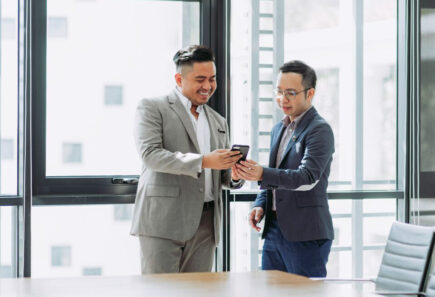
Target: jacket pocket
[{"x": 162, "y": 191}]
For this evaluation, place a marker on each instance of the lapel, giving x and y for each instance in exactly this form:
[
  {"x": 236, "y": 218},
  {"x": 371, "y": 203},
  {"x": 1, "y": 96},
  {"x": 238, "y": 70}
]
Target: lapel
[
  {"x": 275, "y": 146},
  {"x": 213, "y": 128},
  {"x": 303, "y": 124},
  {"x": 178, "y": 107},
  {"x": 212, "y": 123}
]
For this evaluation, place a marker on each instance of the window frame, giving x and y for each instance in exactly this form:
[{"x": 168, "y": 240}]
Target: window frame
[
  {"x": 426, "y": 178},
  {"x": 400, "y": 193},
  {"x": 97, "y": 188},
  {"x": 35, "y": 189}
]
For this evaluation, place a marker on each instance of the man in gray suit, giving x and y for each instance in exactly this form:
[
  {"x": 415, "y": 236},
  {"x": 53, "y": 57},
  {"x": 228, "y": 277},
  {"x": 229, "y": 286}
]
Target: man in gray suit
[
  {"x": 183, "y": 145},
  {"x": 298, "y": 229}
]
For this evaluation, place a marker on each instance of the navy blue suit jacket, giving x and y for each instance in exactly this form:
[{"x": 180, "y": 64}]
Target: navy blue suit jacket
[{"x": 300, "y": 181}]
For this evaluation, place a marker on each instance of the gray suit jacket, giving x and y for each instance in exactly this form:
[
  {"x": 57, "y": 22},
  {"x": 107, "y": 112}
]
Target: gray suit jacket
[
  {"x": 170, "y": 193},
  {"x": 300, "y": 181}
]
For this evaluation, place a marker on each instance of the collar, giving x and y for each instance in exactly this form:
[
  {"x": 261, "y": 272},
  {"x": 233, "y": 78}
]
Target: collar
[
  {"x": 186, "y": 102},
  {"x": 286, "y": 120}
]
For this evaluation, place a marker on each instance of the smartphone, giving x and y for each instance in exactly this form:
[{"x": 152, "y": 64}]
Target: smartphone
[{"x": 244, "y": 149}]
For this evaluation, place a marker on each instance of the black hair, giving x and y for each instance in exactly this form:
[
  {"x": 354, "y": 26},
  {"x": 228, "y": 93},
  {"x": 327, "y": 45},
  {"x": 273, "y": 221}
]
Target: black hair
[
  {"x": 309, "y": 77},
  {"x": 192, "y": 54}
]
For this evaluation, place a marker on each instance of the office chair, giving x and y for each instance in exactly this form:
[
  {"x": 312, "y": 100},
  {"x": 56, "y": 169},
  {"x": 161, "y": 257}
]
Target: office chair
[
  {"x": 405, "y": 264},
  {"x": 406, "y": 260},
  {"x": 430, "y": 287},
  {"x": 430, "y": 290}
]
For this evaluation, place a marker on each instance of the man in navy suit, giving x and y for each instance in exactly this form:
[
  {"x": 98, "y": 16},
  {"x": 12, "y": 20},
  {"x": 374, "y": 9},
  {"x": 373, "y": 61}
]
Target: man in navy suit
[{"x": 298, "y": 229}]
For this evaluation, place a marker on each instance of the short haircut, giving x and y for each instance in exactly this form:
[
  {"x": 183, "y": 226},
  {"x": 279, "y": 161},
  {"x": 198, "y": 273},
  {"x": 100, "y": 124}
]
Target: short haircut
[
  {"x": 191, "y": 54},
  {"x": 309, "y": 77}
]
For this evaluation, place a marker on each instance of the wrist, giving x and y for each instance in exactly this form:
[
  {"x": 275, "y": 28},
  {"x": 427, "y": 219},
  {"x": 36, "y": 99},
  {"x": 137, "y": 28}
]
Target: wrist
[{"x": 205, "y": 161}]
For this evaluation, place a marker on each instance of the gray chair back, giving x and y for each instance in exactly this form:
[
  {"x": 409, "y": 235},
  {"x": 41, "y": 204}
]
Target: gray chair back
[
  {"x": 430, "y": 291},
  {"x": 406, "y": 258}
]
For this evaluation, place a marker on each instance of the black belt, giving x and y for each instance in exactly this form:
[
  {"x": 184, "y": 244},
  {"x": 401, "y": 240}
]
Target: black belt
[{"x": 208, "y": 205}]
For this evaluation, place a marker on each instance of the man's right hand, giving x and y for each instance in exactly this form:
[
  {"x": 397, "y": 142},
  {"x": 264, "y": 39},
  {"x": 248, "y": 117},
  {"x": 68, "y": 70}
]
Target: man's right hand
[
  {"x": 255, "y": 217},
  {"x": 220, "y": 159}
]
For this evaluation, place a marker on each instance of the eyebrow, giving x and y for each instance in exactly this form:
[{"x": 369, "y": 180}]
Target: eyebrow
[
  {"x": 290, "y": 89},
  {"x": 203, "y": 77}
]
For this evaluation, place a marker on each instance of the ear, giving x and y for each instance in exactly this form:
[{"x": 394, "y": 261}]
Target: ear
[
  {"x": 310, "y": 94},
  {"x": 278, "y": 101},
  {"x": 178, "y": 79}
]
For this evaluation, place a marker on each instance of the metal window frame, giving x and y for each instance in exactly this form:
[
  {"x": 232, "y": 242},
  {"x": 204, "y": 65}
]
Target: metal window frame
[
  {"x": 426, "y": 186},
  {"x": 17, "y": 201},
  {"x": 336, "y": 248},
  {"x": 355, "y": 196},
  {"x": 68, "y": 190},
  {"x": 62, "y": 188},
  {"x": 215, "y": 24}
]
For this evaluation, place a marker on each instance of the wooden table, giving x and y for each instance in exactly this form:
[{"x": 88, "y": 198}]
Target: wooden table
[{"x": 249, "y": 284}]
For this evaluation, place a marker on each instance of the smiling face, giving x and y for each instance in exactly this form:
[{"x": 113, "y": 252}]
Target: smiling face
[
  {"x": 298, "y": 104},
  {"x": 197, "y": 82}
]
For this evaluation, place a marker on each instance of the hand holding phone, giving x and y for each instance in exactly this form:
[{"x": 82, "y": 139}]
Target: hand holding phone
[{"x": 244, "y": 149}]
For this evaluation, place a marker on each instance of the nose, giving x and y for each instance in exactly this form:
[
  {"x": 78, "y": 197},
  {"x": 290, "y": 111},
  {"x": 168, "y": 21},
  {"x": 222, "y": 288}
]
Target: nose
[
  {"x": 282, "y": 97},
  {"x": 206, "y": 85}
]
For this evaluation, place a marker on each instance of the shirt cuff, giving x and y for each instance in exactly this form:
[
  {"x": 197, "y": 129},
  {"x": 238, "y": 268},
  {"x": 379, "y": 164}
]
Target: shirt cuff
[
  {"x": 199, "y": 168},
  {"x": 236, "y": 183}
]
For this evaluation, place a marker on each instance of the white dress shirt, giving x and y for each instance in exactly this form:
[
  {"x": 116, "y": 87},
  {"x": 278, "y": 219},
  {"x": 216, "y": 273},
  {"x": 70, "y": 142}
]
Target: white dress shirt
[{"x": 202, "y": 130}]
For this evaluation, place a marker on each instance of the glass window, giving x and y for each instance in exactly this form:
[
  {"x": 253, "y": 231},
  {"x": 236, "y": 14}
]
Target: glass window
[
  {"x": 95, "y": 50},
  {"x": 425, "y": 217},
  {"x": 303, "y": 15},
  {"x": 7, "y": 149},
  {"x": 72, "y": 153},
  {"x": 123, "y": 212},
  {"x": 57, "y": 27},
  {"x": 83, "y": 239},
  {"x": 379, "y": 94},
  {"x": 61, "y": 256},
  {"x": 375, "y": 219},
  {"x": 9, "y": 82},
  {"x": 356, "y": 88},
  {"x": 8, "y": 243},
  {"x": 92, "y": 271},
  {"x": 379, "y": 10},
  {"x": 427, "y": 92},
  {"x": 113, "y": 95},
  {"x": 8, "y": 28}
]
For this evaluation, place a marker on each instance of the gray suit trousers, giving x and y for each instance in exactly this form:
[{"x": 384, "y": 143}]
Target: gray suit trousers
[{"x": 160, "y": 255}]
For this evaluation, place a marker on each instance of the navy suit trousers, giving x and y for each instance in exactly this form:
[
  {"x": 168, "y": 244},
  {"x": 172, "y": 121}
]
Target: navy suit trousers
[{"x": 307, "y": 258}]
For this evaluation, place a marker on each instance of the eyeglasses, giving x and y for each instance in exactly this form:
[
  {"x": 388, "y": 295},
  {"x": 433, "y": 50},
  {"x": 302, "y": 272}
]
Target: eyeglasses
[{"x": 289, "y": 94}]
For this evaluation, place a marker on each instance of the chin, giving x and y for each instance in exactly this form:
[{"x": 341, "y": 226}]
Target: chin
[
  {"x": 287, "y": 112},
  {"x": 202, "y": 101}
]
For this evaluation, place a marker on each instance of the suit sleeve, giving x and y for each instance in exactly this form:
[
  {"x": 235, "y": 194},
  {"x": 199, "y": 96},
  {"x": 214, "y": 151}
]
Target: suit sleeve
[
  {"x": 260, "y": 201},
  {"x": 226, "y": 174},
  {"x": 148, "y": 135},
  {"x": 318, "y": 152}
]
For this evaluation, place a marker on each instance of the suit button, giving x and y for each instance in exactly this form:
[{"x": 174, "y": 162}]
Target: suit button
[{"x": 201, "y": 189}]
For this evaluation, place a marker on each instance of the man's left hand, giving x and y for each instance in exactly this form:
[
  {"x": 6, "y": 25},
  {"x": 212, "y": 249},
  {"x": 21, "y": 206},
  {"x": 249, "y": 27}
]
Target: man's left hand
[{"x": 249, "y": 170}]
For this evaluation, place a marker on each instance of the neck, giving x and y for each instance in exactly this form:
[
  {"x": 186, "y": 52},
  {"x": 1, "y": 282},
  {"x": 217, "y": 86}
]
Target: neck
[
  {"x": 292, "y": 118},
  {"x": 193, "y": 111}
]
